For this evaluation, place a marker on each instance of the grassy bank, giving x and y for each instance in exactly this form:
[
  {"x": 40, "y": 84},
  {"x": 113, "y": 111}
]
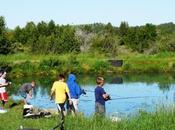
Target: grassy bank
[
  {"x": 160, "y": 120},
  {"x": 25, "y": 64},
  {"x": 163, "y": 62}
]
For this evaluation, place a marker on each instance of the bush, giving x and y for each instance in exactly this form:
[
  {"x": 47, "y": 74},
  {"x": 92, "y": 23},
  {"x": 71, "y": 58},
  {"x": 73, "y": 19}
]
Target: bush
[{"x": 50, "y": 63}]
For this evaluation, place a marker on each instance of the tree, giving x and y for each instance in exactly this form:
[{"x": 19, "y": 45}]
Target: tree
[
  {"x": 5, "y": 45},
  {"x": 104, "y": 44},
  {"x": 42, "y": 28},
  {"x": 51, "y": 27},
  {"x": 19, "y": 36},
  {"x": 31, "y": 33},
  {"x": 109, "y": 29},
  {"x": 140, "y": 38},
  {"x": 69, "y": 41},
  {"x": 123, "y": 29}
]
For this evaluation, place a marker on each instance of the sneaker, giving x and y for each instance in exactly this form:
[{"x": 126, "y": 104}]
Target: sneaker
[
  {"x": 28, "y": 115},
  {"x": 3, "y": 110}
]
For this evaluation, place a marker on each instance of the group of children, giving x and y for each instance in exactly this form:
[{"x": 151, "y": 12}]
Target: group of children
[
  {"x": 25, "y": 90},
  {"x": 70, "y": 92},
  {"x": 63, "y": 93}
]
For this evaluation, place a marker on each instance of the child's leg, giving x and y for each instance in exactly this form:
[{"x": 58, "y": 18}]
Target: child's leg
[
  {"x": 4, "y": 98},
  {"x": 96, "y": 108},
  {"x": 68, "y": 107},
  {"x": 24, "y": 95},
  {"x": 61, "y": 109},
  {"x": 102, "y": 109},
  {"x": 75, "y": 104},
  {"x": 25, "y": 101},
  {"x": 99, "y": 109},
  {"x": 3, "y": 103}
]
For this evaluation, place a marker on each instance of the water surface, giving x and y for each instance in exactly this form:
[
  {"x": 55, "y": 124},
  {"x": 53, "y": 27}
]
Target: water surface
[{"x": 130, "y": 93}]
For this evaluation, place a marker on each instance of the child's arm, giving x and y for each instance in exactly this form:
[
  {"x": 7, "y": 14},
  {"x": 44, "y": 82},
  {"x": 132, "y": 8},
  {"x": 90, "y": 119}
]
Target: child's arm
[
  {"x": 4, "y": 85},
  {"x": 30, "y": 93},
  {"x": 105, "y": 95},
  {"x": 52, "y": 92}
]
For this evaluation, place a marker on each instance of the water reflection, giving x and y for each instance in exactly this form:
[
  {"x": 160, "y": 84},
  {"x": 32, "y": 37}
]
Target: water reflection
[
  {"x": 117, "y": 80},
  {"x": 154, "y": 91}
]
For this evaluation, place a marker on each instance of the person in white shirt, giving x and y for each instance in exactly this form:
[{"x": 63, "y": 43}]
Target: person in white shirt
[{"x": 3, "y": 85}]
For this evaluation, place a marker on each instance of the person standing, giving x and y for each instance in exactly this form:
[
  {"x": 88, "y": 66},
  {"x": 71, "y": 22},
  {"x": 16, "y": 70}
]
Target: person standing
[
  {"x": 75, "y": 92},
  {"x": 60, "y": 91},
  {"x": 3, "y": 85},
  {"x": 100, "y": 97}
]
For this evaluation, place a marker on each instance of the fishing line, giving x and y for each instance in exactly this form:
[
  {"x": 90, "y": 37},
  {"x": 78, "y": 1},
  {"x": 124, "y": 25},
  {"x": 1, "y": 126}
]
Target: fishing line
[{"x": 91, "y": 91}]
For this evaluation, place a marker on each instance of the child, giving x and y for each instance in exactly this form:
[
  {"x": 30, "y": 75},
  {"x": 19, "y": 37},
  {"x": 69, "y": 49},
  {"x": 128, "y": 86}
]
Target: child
[
  {"x": 26, "y": 90},
  {"x": 59, "y": 90},
  {"x": 100, "y": 97},
  {"x": 75, "y": 92},
  {"x": 3, "y": 85}
]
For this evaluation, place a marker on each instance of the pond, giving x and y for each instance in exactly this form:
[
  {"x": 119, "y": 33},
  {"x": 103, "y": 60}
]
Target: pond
[{"x": 129, "y": 93}]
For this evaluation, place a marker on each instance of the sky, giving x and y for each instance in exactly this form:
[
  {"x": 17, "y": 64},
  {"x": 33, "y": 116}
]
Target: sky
[{"x": 135, "y": 12}]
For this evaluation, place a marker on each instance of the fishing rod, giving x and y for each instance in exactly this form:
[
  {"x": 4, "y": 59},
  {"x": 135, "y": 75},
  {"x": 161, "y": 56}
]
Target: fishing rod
[
  {"x": 123, "y": 98},
  {"x": 89, "y": 91},
  {"x": 119, "y": 98}
]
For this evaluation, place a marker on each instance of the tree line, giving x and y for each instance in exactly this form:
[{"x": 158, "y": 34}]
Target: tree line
[{"x": 45, "y": 38}]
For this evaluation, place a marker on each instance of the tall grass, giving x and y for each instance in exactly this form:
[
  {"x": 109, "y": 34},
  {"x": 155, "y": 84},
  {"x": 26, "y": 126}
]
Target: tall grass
[
  {"x": 163, "y": 119},
  {"x": 163, "y": 62},
  {"x": 87, "y": 63}
]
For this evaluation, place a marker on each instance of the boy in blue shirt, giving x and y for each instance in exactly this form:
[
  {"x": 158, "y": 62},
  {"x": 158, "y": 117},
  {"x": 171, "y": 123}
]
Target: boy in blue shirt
[
  {"x": 75, "y": 92},
  {"x": 100, "y": 97}
]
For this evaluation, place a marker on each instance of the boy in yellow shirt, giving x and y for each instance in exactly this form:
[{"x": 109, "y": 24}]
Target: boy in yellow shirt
[{"x": 60, "y": 90}]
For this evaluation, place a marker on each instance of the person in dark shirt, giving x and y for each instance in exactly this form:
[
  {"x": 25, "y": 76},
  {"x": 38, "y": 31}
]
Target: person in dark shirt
[
  {"x": 26, "y": 90},
  {"x": 100, "y": 97}
]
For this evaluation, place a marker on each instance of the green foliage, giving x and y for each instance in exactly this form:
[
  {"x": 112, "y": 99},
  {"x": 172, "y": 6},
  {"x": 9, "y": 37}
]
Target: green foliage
[
  {"x": 96, "y": 28},
  {"x": 100, "y": 66},
  {"x": 166, "y": 43},
  {"x": 5, "y": 44},
  {"x": 63, "y": 41},
  {"x": 123, "y": 29},
  {"x": 167, "y": 28},
  {"x": 140, "y": 38},
  {"x": 50, "y": 63},
  {"x": 50, "y": 38},
  {"x": 105, "y": 44},
  {"x": 109, "y": 29},
  {"x": 69, "y": 42}
]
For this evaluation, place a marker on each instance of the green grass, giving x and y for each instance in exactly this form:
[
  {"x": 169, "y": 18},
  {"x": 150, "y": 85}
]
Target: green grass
[
  {"x": 162, "y": 119},
  {"x": 163, "y": 62},
  {"x": 87, "y": 63}
]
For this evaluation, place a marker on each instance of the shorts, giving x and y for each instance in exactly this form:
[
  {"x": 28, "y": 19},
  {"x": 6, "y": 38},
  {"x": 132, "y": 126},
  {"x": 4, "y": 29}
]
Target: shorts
[
  {"x": 99, "y": 108},
  {"x": 61, "y": 107},
  {"x": 4, "y": 96}
]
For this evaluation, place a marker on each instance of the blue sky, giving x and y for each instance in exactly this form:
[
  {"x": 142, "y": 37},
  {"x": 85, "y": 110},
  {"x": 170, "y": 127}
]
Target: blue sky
[{"x": 135, "y": 12}]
